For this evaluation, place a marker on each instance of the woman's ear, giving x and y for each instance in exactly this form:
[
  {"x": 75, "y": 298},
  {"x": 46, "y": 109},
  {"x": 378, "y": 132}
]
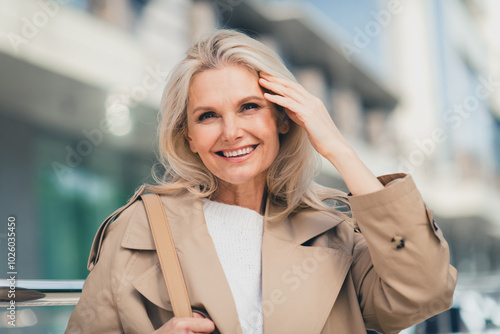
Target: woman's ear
[
  {"x": 191, "y": 144},
  {"x": 284, "y": 126},
  {"x": 282, "y": 119}
]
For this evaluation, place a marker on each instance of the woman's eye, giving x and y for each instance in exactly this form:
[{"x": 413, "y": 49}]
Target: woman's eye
[
  {"x": 249, "y": 106},
  {"x": 206, "y": 115}
]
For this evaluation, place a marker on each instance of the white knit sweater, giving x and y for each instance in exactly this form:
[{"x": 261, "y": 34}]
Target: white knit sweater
[{"x": 237, "y": 236}]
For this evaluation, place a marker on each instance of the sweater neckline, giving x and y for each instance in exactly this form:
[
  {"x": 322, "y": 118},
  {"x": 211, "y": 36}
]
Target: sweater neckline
[{"x": 232, "y": 207}]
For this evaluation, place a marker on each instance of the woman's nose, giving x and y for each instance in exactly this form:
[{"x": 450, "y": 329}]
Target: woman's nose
[{"x": 231, "y": 129}]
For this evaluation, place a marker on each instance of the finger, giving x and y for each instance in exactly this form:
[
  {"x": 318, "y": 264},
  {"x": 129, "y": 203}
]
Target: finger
[
  {"x": 182, "y": 331},
  {"x": 198, "y": 315},
  {"x": 195, "y": 325},
  {"x": 287, "y": 83},
  {"x": 209, "y": 332},
  {"x": 281, "y": 90},
  {"x": 202, "y": 325},
  {"x": 283, "y": 101},
  {"x": 290, "y": 105}
]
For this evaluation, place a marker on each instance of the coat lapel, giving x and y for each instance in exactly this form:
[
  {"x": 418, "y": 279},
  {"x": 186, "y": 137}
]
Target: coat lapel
[
  {"x": 205, "y": 280},
  {"x": 299, "y": 283}
]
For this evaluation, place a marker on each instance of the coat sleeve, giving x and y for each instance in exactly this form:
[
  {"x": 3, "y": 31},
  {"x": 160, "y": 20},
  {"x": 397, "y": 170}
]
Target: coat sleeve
[
  {"x": 99, "y": 307},
  {"x": 401, "y": 267}
]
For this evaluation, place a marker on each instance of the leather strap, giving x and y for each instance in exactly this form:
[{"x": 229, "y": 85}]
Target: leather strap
[{"x": 167, "y": 254}]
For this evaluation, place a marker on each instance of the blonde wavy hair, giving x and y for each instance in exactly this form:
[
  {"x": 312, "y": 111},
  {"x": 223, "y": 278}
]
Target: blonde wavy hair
[{"x": 290, "y": 178}]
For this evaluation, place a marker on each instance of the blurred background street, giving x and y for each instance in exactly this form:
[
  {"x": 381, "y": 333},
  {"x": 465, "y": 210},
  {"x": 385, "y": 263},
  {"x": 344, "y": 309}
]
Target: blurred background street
[{"x": 414, "y": 85}]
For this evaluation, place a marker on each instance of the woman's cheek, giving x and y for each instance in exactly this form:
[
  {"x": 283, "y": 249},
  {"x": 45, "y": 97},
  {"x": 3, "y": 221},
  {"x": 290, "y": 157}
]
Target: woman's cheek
[{"x": 207, "y": 131}]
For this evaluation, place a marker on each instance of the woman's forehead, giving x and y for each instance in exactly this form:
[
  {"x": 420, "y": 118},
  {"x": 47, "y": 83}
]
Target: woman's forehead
[
  {"x": 228, "y": 71},
  {"x": 229, "y": 82}
]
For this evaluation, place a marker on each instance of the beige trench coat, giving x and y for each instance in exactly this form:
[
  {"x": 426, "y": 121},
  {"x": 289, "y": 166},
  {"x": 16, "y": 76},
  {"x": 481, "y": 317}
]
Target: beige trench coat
[{"x": 319, "y": 275}]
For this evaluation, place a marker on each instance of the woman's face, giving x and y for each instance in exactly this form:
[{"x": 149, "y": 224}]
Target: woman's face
[{"x": 231, "y": 125}]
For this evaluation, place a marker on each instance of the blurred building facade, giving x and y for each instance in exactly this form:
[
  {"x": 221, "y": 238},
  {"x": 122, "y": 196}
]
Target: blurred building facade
[
  {"x": 80, "y": 89},
  {"x": 413, "y": 85}
]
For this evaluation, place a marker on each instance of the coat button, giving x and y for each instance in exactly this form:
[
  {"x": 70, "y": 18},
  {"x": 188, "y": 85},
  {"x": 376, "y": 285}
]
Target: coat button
[
  {"x": 434, "y": 224},
  {"x": 398, "y": 242}
]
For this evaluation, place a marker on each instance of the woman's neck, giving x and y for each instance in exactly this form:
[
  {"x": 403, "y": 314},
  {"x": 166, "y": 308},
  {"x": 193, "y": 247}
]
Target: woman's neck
[{"x": 249, "y": 196}]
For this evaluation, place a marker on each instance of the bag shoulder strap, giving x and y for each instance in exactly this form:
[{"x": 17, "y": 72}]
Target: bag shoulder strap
[{"x": 167, "y": 255}]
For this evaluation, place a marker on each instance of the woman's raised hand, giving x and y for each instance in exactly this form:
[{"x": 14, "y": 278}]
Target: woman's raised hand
[
  {"x": 310, "y": 113},
  {"x": 307, "y": 111},
  {"x": 198, "y": 324}
]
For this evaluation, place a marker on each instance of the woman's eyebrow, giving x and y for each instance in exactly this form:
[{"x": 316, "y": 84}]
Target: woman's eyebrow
[
  {"x": 241, "y": 101},
  {"x": 250, "y": 98},
  {"x": 201, "y": 108}
]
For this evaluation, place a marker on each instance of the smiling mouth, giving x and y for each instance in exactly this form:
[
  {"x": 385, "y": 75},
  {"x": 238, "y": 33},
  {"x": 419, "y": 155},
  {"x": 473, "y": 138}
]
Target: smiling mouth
[{"x": 237, "y": 153}]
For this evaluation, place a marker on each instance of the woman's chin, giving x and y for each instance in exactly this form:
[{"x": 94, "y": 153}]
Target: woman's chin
[{"x": 238, "y": 180}]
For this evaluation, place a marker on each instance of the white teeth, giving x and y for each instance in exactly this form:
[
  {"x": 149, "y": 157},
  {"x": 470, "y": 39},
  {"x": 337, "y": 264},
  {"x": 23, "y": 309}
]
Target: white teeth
[{"x": 238, "y": 152}]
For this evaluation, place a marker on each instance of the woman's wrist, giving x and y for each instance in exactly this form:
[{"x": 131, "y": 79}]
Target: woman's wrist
[
  {"x": 341, "y": 155},
  {"x": 357, "y": 177}
]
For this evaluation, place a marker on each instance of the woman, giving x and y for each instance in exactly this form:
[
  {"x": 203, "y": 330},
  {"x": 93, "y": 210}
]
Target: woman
[{"x": 260, "y": 248}]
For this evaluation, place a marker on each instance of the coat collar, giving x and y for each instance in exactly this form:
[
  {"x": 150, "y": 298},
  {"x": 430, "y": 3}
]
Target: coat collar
[
  {"x": 297, "y": 279},
  {"x": 298, "y": 229}
]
